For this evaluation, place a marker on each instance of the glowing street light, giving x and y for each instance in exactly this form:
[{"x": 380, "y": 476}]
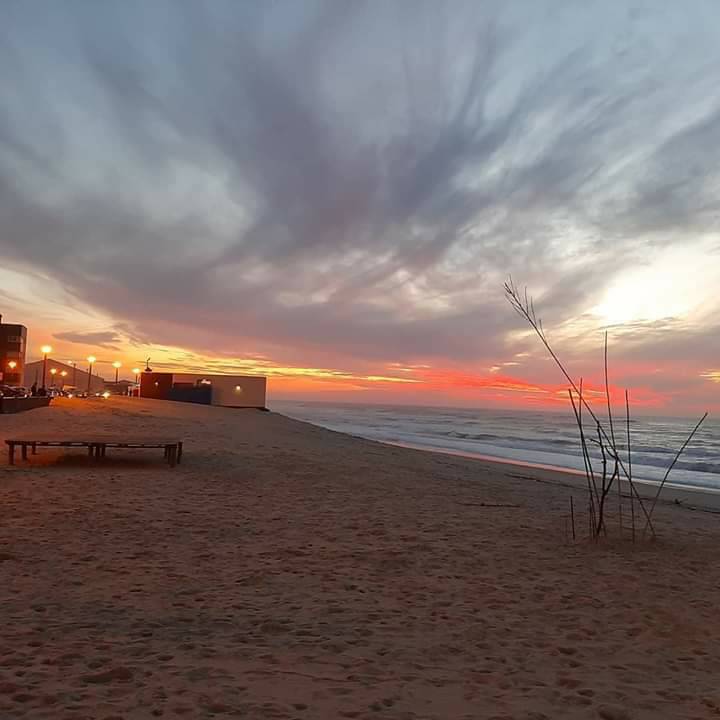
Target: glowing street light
[
  {"x": 63, "y": 375},
  {"x": 45, "y": 350},
  {"x": 117, "y": 365},
  {"x": 91, "y": 359},
  {"x": 12, "y": 365},
  {"x": 53, "y": 373}
]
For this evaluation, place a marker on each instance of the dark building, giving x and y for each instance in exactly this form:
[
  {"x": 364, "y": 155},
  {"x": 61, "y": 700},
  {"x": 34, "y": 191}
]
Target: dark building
[{"x": 13, "y": 339}]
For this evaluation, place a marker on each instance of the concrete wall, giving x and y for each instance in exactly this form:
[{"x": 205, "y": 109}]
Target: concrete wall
[
  {"x": 231, "y": 390},
  {"x": 16, "y": 405}
]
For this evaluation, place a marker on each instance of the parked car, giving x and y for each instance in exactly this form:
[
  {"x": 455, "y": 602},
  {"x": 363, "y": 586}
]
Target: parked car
[
  {"x": 10, "y": 391},
  {"x": 71, "y": 391}
]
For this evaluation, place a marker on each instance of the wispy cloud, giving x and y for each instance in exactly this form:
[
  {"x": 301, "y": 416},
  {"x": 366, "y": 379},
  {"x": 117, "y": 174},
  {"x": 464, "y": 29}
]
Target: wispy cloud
[
  {"x": 354, "y": 179},
  {"x": 109, "y": 340}
]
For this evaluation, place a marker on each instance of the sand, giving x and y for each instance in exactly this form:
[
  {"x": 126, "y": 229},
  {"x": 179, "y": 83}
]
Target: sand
[{"x": 286, "y": 571}]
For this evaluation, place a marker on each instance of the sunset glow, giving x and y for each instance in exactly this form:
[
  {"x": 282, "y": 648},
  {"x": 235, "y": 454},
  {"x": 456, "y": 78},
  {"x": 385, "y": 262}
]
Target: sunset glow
[{"x": 347, "y": 234}]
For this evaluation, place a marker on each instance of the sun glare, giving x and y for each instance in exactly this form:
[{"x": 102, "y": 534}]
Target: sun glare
[
  {"x": 674, "y": 285},
  {"x": 633, "y": 300}
]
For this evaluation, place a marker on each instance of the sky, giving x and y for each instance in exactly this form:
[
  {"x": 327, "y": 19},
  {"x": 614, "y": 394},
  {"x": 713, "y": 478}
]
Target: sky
[{"x": 332, "y": 194}]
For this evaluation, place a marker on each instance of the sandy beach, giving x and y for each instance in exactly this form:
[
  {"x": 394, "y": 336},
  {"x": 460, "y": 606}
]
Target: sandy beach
[{"x": 287, "y": 571}]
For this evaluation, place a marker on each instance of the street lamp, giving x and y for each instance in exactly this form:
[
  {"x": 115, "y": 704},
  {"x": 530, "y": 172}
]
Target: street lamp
[
  {"x": 12, "y": 365},
  {"x": 53, "y": 372},
  {"x": 117, "y": 365},
  {"x": 74, "y": 364},
  {"x": 91, "y": 359},
  {"x": 45, "y": 350},
  {"x": 63, "y": 374}
]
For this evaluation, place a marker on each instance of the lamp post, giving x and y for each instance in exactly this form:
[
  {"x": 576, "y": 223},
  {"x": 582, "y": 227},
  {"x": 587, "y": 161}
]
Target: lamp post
[
  {"x": 63, "y": 374},
  {"x": 91, "y": 359},
  {"x": 53, "y": 372},
  {"x": 12, "y": 365},
  {"x": 117, "y": 365},
  {"x": 74, "y": 364},
  {"x": 46, "y": 350}
]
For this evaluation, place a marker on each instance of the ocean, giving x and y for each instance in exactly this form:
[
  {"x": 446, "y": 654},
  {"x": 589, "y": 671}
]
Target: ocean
[{"x": 546, "y": 439}]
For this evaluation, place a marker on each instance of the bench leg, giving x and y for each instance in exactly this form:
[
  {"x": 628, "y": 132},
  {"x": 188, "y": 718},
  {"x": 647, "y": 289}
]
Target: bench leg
[
  {"x": 179, "y": 452},
  {"x": 11, "y": 453},
  {"x": 34, "y": 448},
  {"x": 23, "y": 451},
  {"x": 172, "y": 455},
  {"x": 91, "y": 450}
]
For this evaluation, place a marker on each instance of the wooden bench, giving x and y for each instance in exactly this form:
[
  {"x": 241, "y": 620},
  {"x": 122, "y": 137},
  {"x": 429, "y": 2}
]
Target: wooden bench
[{"x": 97, "y": 447}]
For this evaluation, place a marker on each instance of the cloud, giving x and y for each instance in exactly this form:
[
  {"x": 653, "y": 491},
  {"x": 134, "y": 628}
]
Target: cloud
[
  {"x": 108, "y": 340},
  {"x": 350, "y": 179}
]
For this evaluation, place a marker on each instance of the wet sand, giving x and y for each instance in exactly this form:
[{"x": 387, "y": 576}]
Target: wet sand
[{"x": 286, "y": 571}]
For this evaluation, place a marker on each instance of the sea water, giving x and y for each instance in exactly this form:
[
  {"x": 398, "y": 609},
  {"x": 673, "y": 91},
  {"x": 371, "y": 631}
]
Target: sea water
[{"x": 541, "y": 438}]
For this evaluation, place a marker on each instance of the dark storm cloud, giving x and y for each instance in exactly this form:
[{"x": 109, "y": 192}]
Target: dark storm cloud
[{"x": 354, "y": 178}]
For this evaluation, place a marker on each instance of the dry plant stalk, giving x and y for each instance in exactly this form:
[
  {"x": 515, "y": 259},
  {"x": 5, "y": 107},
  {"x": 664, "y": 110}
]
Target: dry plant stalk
[
  {"x": 606, "y": 441},
  {"x": 627, "y": 425},
  {"x": 672, "y": 465}
]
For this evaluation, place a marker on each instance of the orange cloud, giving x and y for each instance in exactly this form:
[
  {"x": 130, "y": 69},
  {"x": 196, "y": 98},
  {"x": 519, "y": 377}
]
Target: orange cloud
[{"x": 416, "y": 383}]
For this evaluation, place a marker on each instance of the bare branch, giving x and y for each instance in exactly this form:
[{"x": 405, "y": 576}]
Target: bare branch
[
  {"x": 612, "y": 433},
  {"x": 524, "y": 309},
  {"x": 589, "y": 474},
  {"x": 672, "y": 465},
  {"x": 632, "y": 499}
]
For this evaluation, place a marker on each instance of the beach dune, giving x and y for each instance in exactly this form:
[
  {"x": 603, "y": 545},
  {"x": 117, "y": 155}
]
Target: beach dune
[{"x": 287, "y": 571}]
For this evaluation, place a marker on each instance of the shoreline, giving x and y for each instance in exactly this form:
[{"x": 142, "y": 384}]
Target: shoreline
[
  {"x": 552, "y": 468},
  {"x": 702, "y": 499},
  {"x": 506, "y": 444}
]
